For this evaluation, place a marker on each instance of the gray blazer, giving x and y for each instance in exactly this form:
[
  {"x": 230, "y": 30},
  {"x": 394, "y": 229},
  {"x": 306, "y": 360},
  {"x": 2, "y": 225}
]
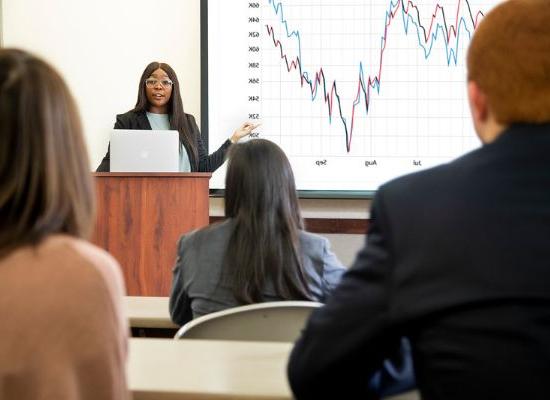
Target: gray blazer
[{"x": 197, "y": 288}]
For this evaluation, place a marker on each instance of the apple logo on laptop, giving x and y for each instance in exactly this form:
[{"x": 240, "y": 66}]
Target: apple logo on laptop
[{"x": 144, "y": 154}]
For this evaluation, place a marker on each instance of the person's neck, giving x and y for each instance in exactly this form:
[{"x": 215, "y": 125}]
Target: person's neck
[
  {"x": 158, "y": 110},
  {"x": 491, "y": 130}
]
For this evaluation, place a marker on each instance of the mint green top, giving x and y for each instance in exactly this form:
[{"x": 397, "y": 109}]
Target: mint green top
[{"x": 161, "y": 122}]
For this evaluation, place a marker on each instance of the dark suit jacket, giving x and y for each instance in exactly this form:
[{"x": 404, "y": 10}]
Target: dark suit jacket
[
  {"x": 138, "y": 120},
  {"x": 457, "y": 259}
]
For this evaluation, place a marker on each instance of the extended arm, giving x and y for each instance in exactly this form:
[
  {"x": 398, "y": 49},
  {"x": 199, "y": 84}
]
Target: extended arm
[{"x": 208, "y": 163}]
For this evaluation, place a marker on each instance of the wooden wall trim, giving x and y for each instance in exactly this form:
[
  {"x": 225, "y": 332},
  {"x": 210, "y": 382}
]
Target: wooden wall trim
[{"x": 327, "y": 225}]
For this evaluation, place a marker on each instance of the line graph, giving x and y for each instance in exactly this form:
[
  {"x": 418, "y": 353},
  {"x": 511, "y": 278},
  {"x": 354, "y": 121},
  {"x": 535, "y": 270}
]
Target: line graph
[
  {"x": 355, "y": 92},
  {"x": 372, "y": 82}
]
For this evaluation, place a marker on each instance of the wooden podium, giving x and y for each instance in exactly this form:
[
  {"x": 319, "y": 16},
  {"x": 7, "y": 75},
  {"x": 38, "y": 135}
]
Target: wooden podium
[{"x": 140, "y": 217}]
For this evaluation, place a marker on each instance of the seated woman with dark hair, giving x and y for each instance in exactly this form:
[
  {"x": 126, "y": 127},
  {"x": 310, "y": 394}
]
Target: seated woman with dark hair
[
  {"x": 260, "y": 252},
  {"x": 63, "y": 334}
]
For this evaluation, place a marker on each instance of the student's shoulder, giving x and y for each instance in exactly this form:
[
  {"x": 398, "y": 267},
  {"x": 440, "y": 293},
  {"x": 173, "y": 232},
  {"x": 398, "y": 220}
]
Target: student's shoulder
[
  {"x": 83, "y": 252},
  {"x": 214, "y": 233},
  {"x": 312, "y": 243},
  {"x": 430, "y": 183},
  {"x": 316, "y": 251},
  {"x": 87, "y": 264}
]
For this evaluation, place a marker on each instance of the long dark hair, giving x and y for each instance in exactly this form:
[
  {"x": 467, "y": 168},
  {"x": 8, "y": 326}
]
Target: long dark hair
[
  {"x": 45, "y": 181},
  {"x": 260, "y": 196},
  {"x": 176, "y": 113}
]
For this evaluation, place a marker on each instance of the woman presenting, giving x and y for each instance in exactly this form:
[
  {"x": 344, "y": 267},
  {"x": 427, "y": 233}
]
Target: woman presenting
[{"x": 159, "y": 106}]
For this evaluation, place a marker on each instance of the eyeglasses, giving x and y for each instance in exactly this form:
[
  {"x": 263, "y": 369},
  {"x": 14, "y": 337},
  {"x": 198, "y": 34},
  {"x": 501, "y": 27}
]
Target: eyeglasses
[{"x": 165, "y": 83}]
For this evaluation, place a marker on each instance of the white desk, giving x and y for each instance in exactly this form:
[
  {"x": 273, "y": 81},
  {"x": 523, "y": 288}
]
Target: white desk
[
  {"x": 163, "y": 369},
  {"x": 148, "y": 312}
]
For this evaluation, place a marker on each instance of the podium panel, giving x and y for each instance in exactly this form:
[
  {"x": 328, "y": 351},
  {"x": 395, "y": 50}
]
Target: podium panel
[{"x": 140, "y": 217}]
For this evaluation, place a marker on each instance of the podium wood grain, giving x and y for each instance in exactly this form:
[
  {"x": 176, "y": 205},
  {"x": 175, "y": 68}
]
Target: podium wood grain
[{"x": 141, "y": 216}]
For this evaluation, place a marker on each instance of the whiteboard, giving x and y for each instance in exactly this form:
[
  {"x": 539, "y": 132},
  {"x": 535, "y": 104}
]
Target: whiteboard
[{"x": 356, "y": 92}]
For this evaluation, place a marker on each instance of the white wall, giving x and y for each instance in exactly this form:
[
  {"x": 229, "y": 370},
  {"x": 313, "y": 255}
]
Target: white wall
[{"x": 101, "y": 48}]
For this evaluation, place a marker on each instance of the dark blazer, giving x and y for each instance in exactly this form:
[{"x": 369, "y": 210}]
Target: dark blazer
[
  {"x": 197, "y": 288},
  {"x": 138, "y": 120},
  {"x": 457, "y": 259}
]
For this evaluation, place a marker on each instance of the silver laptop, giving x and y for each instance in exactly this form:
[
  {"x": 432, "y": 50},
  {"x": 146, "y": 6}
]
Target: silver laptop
[{"x": 144, "y": 151}]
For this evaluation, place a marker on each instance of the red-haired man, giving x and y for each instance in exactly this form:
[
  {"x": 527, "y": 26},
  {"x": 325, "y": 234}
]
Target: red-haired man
[{"x": 457, "y": 257}]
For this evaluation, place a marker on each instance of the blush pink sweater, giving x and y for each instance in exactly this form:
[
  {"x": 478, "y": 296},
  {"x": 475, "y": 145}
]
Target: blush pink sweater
[{"x": 62, "y": 331}]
